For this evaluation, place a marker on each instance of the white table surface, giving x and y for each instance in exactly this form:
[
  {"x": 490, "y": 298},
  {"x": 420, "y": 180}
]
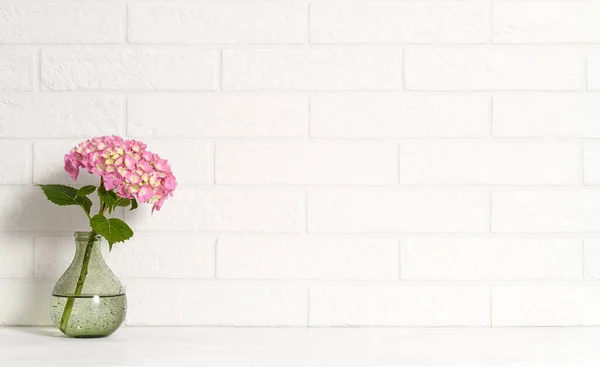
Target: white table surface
[{"x": 314, "y": 347}]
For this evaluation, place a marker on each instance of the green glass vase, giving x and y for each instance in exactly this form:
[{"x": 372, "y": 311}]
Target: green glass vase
[{"x": 88, "y": 301}]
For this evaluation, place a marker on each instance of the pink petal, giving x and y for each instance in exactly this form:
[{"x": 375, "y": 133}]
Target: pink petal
[
  {"x": 133, "y": 178},
  {"x": 162, "y": 165},
  {"x": 130, "y": 163},
  {"x": 170, "y": 183},
  {"x": 145, "y": 193},
  {"x": 145, "y": 166},
  {"x": 122, "y": 192},
  {"x": 159, "y": 204},
  {"x": 71, "y": 169},
  {"x": 147, "y": 155}
]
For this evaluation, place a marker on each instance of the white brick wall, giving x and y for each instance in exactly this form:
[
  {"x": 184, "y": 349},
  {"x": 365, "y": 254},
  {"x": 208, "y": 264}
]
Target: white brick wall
[{"x": 341, "y": 163}]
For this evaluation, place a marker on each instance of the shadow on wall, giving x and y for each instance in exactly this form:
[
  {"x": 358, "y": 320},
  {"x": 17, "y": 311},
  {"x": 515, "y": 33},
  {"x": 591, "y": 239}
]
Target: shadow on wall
[{"x": 26, "y": 209}]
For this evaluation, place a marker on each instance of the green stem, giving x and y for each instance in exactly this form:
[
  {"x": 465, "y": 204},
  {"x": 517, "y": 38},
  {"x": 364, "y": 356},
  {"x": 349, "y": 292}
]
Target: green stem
[{"x": 64, "y": 320}]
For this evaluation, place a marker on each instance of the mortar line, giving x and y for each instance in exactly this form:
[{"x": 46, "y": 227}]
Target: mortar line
[
  {"x": 215, "y": 259},
  {"x": 583, "y": 259}
]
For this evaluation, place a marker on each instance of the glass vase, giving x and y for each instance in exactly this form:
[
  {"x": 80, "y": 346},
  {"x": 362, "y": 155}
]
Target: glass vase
[{"x": 88, "y": 300}]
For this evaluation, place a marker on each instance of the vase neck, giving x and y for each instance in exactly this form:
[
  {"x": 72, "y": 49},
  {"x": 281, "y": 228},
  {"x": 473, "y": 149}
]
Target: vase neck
[{"x": 81, "y": 242}]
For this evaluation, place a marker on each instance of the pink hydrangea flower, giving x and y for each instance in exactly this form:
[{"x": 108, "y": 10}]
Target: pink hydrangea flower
[{"x": 126, "y": 167}]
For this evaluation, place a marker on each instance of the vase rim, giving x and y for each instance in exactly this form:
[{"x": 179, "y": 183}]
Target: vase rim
[{"x": 84, "y": 235}]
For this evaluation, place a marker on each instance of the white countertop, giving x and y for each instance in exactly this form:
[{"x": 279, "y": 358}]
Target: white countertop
[{"x": 295, "y": 347}]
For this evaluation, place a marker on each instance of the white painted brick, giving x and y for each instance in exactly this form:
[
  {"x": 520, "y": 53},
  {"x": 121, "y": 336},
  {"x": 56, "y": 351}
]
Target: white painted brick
[
  {"x": 491, "y": 259},
  {"x": 399, "y": 306},
  {"x": 53, "y": 255},
  {"x": 403, "y": 22},
  {"x": 241, "y": 78},
  {"x": 62, "y": 23},
  {"x": 222, "y": 115},
  {"x": 27, "y": 116},
  {"x": 49, "y": 166},
  {"x": 238, "y": 210},
  {"x": 492, "y": 69},
  {"x": 546, "y": 21},
  {"x": 189, "y": 23},
  {"x": 209, "y": 303},
  {"x": 546, "y": 116},
  {"x": 15, "y": 162},
  {"x": 307, "y": 258},
  {"x": 489, "y": 163},
  {"x": 381, "y": 116},
  {"x": 162, "y": 255},
  {"x": 129, "y": 69},
  {"x": 593, "y": 70},
  {"x": 306, "y": 163},
  {"x": 592, "y": 259},
  {"x": 591, "y": 164},
  {"x": 546, "y": 305},
  {"x": 17, "y": 70},
  {"x": 156, "y": 255},
  {"x": 191, "y": 161},
  {"x": 312, "y": 69},
  {"x": 25, "y": 302},
  {"x": 27, "y": 209},
  {"x": 398, "y": 210},
  {"x": 551, "y": 211},
  {"x": 16, "y": 255}
]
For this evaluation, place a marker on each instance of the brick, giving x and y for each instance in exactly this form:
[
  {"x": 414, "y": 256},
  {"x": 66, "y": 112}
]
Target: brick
[
  {"x": 448, "y": 163},
  {"x": 397, "y": 210},
  {"x": 307, "y": 258},
  {"x": 25, "y": 302},
  {"x": 223, "y": 115},
  {"x": 546, "y": 22},
  {"x": 192, "y": 161},
  {"x": 217, "y": 23},
  {"x": 27, "y": 209},
  {"x": 312, "y": 69},
  {"x": 236, "y": 210},
  {"x": 546, "y": 305},
  {"x": 382, "y": 116},
  {"x": 402, "y": 22},
  {"x": 546, "y": 116},
  {"x": 591, "y": 162},
  {"x": 16, "y": 255},
  {"x": 156, "y": 255},
  {"x": 492, "y": 69},
  {"x": 306, "y": 163},
  {"x": 491, "y": 259},
  {"x": 129, "y": 69},
  {"x": 592, "y": 259},
  {"x": 209, "y": 303},
  {"x": 62, "y": 23},
  {"x": 399, "y": 306},
  {"x": 15, "y": 162},
  {"x": 17, "y": 70},
  {"x": 546, "y": 210},
  {"x": 593, "y": 70},
  {"x": 26, "y": 116}
]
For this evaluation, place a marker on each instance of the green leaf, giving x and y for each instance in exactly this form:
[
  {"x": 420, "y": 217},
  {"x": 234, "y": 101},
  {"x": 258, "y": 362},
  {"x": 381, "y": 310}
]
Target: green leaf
[
  {"x": 109, "y": 198},
  {"x": 123, "y": 202},
  {"x": 65, "y": 195},
  {"x": 86, "y": 190},
  {"x": 134, "y": 204},
  {"x": 113, "y": 229}
]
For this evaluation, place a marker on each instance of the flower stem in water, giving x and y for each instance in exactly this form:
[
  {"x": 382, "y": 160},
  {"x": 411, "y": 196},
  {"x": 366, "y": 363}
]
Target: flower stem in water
[{"x": 64, "y": 320}]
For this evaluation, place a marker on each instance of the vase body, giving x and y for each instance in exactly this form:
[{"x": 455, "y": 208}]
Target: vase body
[{"x": 89, "y": 303}]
